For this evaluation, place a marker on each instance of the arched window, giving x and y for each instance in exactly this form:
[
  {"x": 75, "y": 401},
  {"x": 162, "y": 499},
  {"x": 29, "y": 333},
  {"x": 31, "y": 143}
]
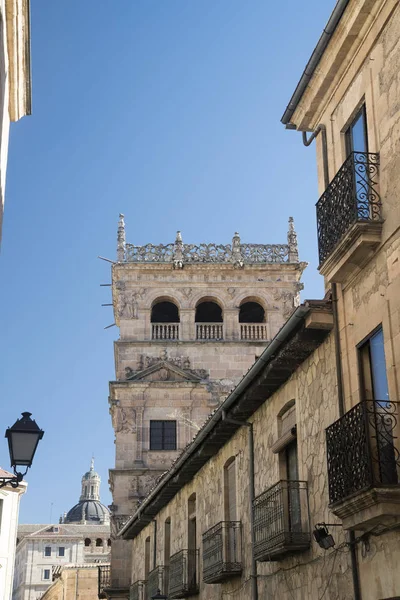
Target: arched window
[
  {"x": 167, "y": 549},
  {"x": 147, "y": 557},
  {"x": 251, "y": 312},
  {"x": 165, "y": 321},
  {"x": 208, "y": 312},
  {"x": 88, "y": 542},
  {"x": 164, "y": 312},
  {"x": 230, "y": 489},
  {"x": 209, "y": 321},
  {"x": 252, "y": 321},
  {"x": 99, "y": 542}
]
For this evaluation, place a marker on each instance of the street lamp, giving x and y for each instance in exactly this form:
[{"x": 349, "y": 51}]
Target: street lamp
[
  {"x": 159, "y": 596},
  {"x": 23, "y": 438}
]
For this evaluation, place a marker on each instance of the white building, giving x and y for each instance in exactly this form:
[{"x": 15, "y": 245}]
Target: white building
[
  {"x": 9, "y": 507},
  {"x": 82, "y": 536},
  {"x": 15, "y": 76}
]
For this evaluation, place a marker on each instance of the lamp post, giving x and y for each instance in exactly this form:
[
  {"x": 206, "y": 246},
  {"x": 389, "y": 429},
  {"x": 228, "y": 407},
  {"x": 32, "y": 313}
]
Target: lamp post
[{"x": 23, "y": 438}]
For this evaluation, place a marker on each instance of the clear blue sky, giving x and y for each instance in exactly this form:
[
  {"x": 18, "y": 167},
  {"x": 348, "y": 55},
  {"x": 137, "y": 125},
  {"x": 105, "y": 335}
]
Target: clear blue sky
[{"x": 168, "y": 111}]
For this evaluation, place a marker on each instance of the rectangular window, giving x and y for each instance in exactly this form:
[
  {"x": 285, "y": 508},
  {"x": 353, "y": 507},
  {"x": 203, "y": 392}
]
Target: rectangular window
[
  {"x": 373, "y": 368},
  {"x": 47, "y": 551},
  {"x": 162, "y": 435},
  {"x": 61, "y": 551},
  {"x": 46, "y": 574},
  {"x": 356, "y": 134}
]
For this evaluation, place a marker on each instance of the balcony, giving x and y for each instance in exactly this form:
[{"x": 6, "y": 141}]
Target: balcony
[
  {"x": 157, "y": 579},
  {"x": 137, "y": 591},
  {"x": 349, "y": 219},
  {"x": 281, "y": 521},
  {"x": 253, "y": 332},
  {"x": 222, "y": 552},
  {"x": 104, "y": 580},
  {"x": 183, "y": 574},
  {"x": 209, "y": 331},
  {"x": 165, "y": 331},
  {"x": 364, "y": 465}
]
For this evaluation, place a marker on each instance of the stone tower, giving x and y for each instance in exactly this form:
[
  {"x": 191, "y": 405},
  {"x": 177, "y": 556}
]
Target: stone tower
[{"x": 192, "y": 320}]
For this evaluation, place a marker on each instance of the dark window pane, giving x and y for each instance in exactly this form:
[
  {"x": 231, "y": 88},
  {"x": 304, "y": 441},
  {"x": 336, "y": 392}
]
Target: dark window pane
[
  {"x": 162, "y": 435},
  {"x": 169, "y": 435},
  {"x": 47, "y": 551}
]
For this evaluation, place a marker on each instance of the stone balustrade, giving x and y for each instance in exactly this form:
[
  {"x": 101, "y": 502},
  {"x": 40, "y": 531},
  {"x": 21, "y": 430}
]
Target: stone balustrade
[
  {"x": 253, "y": 331},
  {"x": 209, "y": 331},
  {"x": 165, "y": 331}
]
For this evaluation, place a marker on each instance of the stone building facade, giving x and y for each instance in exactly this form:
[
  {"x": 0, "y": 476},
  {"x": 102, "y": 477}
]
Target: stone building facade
[
  {"x": 291, "y": 489},
  {"x": 72, "y": 582},
  {"x": 15, "y": 76},
  {"x": 81, "y": 537},
  {"x": 10, "y": 498},
  {"x": 192, "y": 320}
]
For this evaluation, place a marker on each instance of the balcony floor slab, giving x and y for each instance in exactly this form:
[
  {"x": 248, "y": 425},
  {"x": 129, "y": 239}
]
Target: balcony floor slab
[
  {"x": 363, "y": 511},
  {"x": 352, "y": 252}
]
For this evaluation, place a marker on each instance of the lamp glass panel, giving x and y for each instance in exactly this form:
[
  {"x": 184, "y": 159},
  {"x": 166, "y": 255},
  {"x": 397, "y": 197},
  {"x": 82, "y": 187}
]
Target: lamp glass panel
[{"x": 23, "y": 446}]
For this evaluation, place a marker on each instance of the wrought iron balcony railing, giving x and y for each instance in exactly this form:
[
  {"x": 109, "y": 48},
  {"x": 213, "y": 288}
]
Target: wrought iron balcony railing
[
  {"x": 222, "y": 552},
  {"x": 350, "y": 198},
  {"x": 183, "y": 574},
  {"x": 363, "y": 449},
  {"x": 209, "y": 331},
  {"x": 165, "y": 331},
  {"x": 104, "y": 579},
  {"x": 281, "y": 520},
  {"x": 253, "y": 331},
  {"x": 137, "y": 591},
  {"x": 157, "y": 579}
]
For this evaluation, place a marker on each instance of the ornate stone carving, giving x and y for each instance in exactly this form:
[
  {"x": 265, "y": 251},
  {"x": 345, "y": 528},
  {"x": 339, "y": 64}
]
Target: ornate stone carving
[
  {"x": 236, "y": 253},
  {"x": 231, "y": 291},
  {"x": 127, "y": 305},
  {"x": 124, "y": 419},
  {"x": 292, "y": 242},
  {"x": 183, "y": 362},
  {"x": 121, "y": 239},
  {"x": 187, "y": 292}
]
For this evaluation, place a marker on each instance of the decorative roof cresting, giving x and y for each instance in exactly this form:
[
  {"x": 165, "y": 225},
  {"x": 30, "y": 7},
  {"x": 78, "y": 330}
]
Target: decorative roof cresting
[{"x": 179, "y": 254}]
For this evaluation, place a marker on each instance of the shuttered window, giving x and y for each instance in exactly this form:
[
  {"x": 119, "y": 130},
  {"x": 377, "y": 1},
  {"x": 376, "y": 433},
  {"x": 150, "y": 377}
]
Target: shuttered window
[{"x": 162, "y": 435}]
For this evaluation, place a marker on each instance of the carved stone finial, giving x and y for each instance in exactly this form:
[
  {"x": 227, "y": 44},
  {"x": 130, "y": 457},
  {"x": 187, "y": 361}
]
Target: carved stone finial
[
  {"x": 292, "y": 242},
  {"x": 178, "y": 251},
  {"x": 121, "y": 241},
  {"x": 237, "y": 258}
]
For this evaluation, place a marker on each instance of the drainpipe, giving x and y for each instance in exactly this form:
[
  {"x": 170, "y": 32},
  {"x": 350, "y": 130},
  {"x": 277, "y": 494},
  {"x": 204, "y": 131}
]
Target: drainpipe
[
  {"x": 338, "y": 354},
  {"x": 254, "y": 586}
]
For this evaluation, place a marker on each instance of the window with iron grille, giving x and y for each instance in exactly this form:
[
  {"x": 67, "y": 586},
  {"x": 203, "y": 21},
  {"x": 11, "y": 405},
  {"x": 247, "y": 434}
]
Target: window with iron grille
[{"x": 162, "y": 435}]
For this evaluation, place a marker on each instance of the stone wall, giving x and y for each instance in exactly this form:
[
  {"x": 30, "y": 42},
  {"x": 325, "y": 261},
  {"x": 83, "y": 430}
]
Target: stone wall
[
  {"x": 301, "y": 576},
  {"x": 74, "y": 582}
]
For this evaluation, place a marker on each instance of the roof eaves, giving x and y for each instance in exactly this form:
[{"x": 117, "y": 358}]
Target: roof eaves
[{"x": 313, "y": 62}]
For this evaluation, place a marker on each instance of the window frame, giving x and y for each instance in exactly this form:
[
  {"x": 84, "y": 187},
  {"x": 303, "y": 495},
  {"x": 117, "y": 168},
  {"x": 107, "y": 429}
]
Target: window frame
[
  {"x": 347, "y": 132},
  {"x": 61, "y": 554},
  {"x": 44, "y": 574},
  {"x": 47, "y": 551},
  {"x": 364, "y": 343},
  {"x": 152, "y": 433}
]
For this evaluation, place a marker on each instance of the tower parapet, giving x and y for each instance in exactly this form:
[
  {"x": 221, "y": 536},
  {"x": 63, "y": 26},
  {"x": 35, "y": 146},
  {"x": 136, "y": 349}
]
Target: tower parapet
[{"x": 237, "y": 253}]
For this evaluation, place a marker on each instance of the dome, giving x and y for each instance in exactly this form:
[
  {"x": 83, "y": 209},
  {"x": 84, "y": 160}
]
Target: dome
[
  {"x": 91, "y": 511},
  {"x": 89, "y": 508}
]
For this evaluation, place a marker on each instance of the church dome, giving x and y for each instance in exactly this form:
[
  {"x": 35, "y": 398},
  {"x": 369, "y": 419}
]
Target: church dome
[
  {"x": 89, "y": 508},
  {"x": 91, "y": 511}
]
